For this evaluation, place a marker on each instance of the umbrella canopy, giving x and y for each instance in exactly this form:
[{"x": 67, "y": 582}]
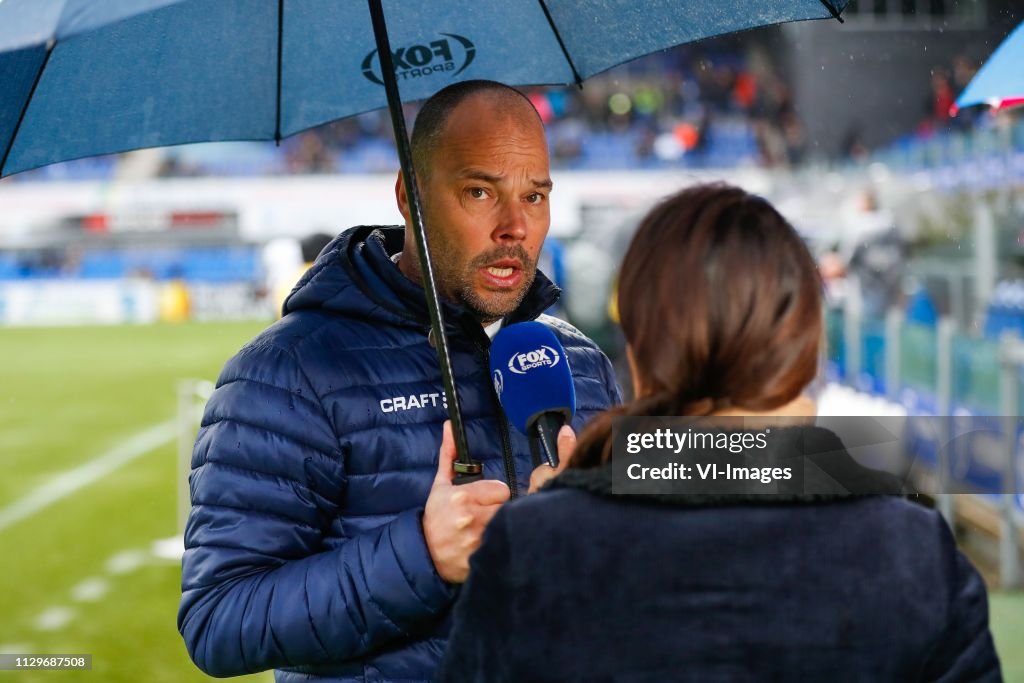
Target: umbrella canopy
[
  {"x": 88, "y": 77},
  {"x": 1000, "y": 82}
]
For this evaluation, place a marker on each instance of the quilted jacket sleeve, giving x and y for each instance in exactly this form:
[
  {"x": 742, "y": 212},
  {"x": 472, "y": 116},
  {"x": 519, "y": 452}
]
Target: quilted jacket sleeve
[{"x": 259, "y": 590}]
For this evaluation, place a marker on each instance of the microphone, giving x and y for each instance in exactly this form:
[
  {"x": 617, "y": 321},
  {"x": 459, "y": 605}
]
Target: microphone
[{"x": 534, "y": 384}]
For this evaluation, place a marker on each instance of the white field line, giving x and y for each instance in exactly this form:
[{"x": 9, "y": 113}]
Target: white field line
[
  {"x": 14, "y": 648},
  {"x": 70, "y": 481},
  {"x": 54, "y": 619},
  {"x": 90, "y": 590},
  {"x": 126, "y": 561},
  {"x": 171, "y": 549}
]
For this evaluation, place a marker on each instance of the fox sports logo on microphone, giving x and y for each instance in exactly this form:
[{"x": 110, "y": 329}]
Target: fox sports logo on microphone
[{"x": 544, "y": 357}]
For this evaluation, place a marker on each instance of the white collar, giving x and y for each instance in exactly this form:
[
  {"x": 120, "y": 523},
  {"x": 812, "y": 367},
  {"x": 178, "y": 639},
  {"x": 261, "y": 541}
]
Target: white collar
[{"x": 493, "y": 328}]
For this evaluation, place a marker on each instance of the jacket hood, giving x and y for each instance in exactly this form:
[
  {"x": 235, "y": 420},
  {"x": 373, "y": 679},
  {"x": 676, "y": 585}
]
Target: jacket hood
[{"x": 354, "y": 275}]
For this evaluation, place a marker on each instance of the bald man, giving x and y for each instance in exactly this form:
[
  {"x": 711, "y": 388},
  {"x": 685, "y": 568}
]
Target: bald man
[{"x": 327, "y": 538}]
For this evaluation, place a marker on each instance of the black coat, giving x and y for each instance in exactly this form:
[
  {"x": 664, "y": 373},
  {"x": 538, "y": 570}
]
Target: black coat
[{"x": 577, "y": 584}]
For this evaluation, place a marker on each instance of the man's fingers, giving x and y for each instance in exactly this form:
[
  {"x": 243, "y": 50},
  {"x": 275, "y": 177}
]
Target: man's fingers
[
  {"x": 541, "y": 475},
  {"x": 470, "y": 544},
  {"x": 446, "y": 459},
  {"x": 485, "y": 513},
  {"x": 566, "y": 445},
  {"x": 487, "y": 491}
]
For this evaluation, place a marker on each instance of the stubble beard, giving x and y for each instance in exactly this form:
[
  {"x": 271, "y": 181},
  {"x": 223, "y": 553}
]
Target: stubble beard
[
  {"x": 499, "y": 306},
  {"x": 456, "y": 280}
]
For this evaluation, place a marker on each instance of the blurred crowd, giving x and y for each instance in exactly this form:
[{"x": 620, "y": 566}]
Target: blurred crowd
[
  {"x": 684, "y": 107},
  {"x": 692, "y": 106},
  {"x": 947, "y": 82},
  {"x": 670, "y": 106},
  {"x": 938, "y": 114}
]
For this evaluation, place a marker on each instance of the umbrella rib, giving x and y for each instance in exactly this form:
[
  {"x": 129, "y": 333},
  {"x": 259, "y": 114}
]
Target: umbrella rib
[
  {"x": 280, "y": 58},
  {"x": 833, "y": 11},
  {"x": 21, "y": 117},
  {"x": 561, "y": 44}
]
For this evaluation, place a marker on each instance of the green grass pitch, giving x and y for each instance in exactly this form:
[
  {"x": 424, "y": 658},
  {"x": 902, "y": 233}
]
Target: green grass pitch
[
  {"x": 69, "y": 396},
  {"x": 78, "y": 576}
]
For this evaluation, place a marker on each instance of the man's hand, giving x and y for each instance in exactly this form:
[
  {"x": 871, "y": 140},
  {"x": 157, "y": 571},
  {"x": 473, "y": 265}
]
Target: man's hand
[
  {"x": 455, "y": 516},
  {"x": 566, "y": 445}
]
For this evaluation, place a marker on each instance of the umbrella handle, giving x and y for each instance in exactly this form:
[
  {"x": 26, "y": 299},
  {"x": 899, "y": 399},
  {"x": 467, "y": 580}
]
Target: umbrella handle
[{"x": 466, "y": 468}]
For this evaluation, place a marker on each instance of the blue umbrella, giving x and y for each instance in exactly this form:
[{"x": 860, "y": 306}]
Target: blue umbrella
[
  {"x": 86, "y": 77},
  {"x": 1000, "y": 82}
]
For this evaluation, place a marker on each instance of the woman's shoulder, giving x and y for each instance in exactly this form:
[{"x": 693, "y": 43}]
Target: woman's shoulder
[
  {"x": 908, "y": 510},
  {"x": 895, "y": 518},
  {"x": 908, "y": 520},
  {"x": 551, "y": 516}
]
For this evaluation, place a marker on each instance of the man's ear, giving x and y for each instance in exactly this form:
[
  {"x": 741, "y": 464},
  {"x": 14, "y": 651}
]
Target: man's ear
[{"x": 401, "y": 198}]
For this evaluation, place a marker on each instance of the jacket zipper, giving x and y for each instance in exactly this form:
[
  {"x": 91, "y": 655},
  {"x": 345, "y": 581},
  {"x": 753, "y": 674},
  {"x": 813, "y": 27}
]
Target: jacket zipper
[{"x": 506, "y": 440}]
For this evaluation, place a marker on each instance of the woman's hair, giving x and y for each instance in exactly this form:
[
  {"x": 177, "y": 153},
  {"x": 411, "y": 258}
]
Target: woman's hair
[{"x": 721, "y": 304}]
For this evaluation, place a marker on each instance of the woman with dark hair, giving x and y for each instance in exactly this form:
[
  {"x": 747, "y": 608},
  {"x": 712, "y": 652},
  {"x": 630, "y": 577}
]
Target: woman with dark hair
[{"x": 721, "y": 306}]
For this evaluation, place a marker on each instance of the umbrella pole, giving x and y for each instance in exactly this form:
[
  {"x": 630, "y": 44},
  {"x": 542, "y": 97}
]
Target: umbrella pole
[{"x": 466, "y": 468}]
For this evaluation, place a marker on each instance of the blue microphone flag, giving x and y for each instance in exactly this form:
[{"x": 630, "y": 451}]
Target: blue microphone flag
[{"x": 531, "y": 374}]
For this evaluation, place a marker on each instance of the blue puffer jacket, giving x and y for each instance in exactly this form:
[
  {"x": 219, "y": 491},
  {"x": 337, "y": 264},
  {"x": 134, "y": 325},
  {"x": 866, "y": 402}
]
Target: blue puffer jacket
[{"x": 304, "y": 548}]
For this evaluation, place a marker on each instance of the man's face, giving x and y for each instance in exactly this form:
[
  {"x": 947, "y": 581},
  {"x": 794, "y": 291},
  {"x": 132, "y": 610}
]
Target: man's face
[{"x": 485, "y": 203}]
